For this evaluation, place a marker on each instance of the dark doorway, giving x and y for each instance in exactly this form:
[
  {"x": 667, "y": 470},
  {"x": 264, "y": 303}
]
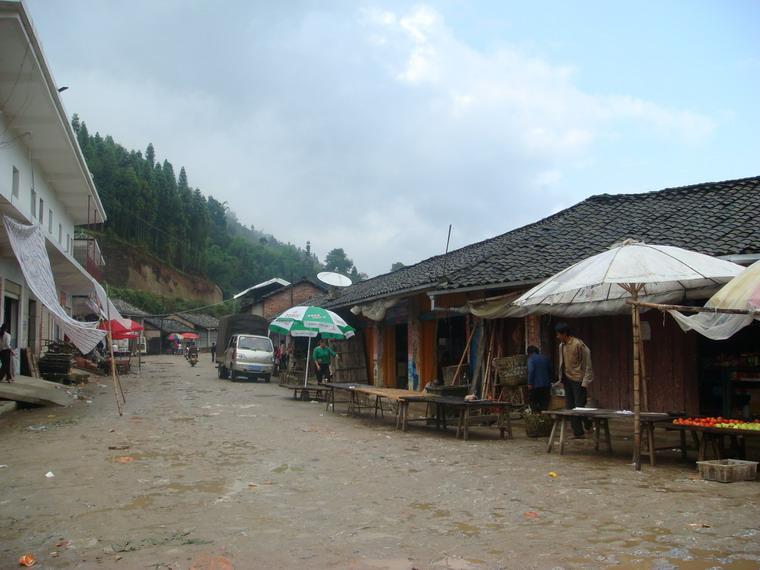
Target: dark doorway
[
  {"x": 10, "y": 318},
  {"x": 402, "y": 357},
  {"x": 729, "y": 374},
  {"x": 452, "y": 339}
]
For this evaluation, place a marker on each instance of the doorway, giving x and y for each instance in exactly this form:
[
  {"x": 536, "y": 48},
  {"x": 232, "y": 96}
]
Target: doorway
[
  {"x": 10, "y": 318},
  {"x": 402, "y": 356}
]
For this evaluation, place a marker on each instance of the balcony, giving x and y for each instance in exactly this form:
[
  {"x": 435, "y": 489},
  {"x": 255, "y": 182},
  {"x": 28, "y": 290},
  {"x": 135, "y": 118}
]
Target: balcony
[{"x": 87, "y": 253}]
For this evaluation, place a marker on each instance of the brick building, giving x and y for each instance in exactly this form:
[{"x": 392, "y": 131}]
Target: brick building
[{"x": 275, "y": 302}]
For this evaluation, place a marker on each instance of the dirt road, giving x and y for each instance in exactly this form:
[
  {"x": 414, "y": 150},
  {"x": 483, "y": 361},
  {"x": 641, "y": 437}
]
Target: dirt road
[{"x": 205, "y": 473}]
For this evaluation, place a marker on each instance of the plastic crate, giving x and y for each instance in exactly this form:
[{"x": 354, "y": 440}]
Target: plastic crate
[{"x": 728, "y": 470}]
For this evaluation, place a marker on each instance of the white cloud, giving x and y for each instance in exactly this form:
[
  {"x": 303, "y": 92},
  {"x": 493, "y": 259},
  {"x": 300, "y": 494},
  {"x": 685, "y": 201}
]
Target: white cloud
[{"x": 373, "y": 130}]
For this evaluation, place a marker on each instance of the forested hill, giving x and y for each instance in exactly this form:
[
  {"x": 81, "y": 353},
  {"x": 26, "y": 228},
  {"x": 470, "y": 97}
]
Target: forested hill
[{"x": 154, "y": 209}]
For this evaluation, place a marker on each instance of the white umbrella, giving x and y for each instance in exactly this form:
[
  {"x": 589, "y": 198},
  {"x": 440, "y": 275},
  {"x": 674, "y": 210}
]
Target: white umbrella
[{"x": 626, "y": 272}]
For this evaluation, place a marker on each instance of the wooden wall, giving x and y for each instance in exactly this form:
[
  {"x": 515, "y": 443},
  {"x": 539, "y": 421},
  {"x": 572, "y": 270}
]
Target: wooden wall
[{"x": 671, "y": 360}]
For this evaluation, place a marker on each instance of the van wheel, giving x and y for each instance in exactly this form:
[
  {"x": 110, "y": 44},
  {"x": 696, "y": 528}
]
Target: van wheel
[{"x": 223, "y": 373}]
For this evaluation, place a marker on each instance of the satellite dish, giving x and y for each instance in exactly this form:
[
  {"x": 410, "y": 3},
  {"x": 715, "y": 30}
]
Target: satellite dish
[{"x": 334, "y": 279}]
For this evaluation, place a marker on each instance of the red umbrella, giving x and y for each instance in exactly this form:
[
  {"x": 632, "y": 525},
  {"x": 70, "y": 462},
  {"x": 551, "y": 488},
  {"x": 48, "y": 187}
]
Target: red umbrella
[
  {"x": 190, "y": 336},
  {"x": 119, "y": 330}
]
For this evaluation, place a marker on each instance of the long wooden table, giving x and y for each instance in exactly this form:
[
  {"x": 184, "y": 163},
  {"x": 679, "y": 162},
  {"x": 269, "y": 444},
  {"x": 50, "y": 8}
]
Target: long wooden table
[
  {"x": 705, "y": 437},
  {"x": 464, "y": 409},
  {"x": 339, "y": 387},
  {"x": 394, "y": 395},
  {"x": 600, "y": 419}
]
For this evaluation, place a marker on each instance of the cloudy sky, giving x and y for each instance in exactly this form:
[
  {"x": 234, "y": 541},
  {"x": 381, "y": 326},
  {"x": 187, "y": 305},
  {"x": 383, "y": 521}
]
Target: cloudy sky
[{"x": 372, "y": 126}]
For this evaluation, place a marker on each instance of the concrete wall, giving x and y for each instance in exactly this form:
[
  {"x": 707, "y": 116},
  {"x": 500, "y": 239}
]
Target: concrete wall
[{"x": 32, "y": 179}]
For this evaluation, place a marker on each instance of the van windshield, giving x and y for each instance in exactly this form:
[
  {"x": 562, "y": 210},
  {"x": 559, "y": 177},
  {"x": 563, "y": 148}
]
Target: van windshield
[{"x": 253, "y": 343}]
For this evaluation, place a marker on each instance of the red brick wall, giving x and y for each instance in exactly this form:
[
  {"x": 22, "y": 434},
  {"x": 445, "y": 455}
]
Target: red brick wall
[{"x": 292, "y": 296}]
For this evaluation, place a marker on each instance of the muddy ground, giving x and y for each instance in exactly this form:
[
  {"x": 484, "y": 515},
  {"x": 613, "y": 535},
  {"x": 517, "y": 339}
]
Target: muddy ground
[{"x": 206, "y": 473}]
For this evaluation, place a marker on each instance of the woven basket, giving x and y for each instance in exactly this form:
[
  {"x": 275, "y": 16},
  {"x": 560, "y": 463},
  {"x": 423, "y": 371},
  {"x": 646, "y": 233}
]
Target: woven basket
[
  {"x": 513, "y": 370},
  {"x": 537, "y": 425}
]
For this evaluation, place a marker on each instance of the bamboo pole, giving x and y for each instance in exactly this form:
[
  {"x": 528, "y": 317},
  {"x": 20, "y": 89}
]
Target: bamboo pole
[
  {"x": 113, "y": 360},
  {"x": 489, "y": 365},
  {"x": 636, "y": 324},
  {"x": 688, "y": 309},
  {"x": 455, "y": 380}
]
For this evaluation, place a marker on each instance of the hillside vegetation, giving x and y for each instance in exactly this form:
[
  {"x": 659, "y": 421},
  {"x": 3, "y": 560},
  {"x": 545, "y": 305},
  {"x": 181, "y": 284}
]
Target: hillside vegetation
[{"x": 158, "y": 211}]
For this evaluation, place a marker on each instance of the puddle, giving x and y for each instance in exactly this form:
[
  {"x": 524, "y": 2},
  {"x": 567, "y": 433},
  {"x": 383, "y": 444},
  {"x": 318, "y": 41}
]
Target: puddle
[
  {"x": 285, "y": 467},
  {"x": 467, "y": 529}
]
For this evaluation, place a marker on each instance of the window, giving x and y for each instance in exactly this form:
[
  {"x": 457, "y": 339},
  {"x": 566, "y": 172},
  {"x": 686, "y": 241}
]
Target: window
[
  {"x": 14, "y": 188},
  {"x": 42, "y": 211},
  {"x": 34, "y": 203},
  {"x": 60, "y": 233},
  {"x": 50, "y": 221}
]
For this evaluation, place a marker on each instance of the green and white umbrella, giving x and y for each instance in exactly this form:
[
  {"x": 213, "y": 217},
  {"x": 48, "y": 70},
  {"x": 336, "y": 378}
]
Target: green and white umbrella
[{"x": 310, "y": 322}]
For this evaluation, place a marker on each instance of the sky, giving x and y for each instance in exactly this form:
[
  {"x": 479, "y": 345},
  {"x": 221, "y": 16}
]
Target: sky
[{"x": 373, "y": 126}]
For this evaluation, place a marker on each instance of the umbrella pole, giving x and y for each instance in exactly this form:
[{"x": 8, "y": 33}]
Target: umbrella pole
[
  {"x": 306, "y": 367},
  {"x": 636, "y": 324}
]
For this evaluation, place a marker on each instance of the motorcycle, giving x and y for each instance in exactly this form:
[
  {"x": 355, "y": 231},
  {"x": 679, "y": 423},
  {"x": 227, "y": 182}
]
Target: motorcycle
[{"x": 192, "y": 358}]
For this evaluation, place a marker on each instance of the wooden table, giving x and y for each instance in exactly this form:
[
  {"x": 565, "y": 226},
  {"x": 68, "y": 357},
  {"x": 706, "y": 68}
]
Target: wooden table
[
  {"x": 394, "y": 395},
  {"x": 463, "y": 409},
  {"x": 600, "y": 419},
  {"x": 705, "y": 437},
  {"x": 309, "y": 392},
  {"x": 339, "y": 386}
]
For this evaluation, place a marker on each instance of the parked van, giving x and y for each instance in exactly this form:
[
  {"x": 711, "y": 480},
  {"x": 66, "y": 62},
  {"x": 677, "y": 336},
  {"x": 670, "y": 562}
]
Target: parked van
[{"x": 247, "y": 355}]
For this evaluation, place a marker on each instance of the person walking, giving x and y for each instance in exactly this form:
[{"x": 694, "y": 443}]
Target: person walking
[
  {"x": 321, "y": 356},
  {"x": 213, "y": 352},
  {"x": 575, "y": 374},
  {"x": 539, "y": 380},
  {"x": 6, "y": 351}
]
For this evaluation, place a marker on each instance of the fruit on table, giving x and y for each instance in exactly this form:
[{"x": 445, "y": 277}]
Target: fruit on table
[{"x": 718, "y": 423}]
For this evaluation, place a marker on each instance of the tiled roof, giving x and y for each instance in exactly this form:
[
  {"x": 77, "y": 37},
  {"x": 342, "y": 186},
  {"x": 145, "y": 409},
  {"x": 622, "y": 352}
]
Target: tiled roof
[
  {"x": 127, "y": 309},
  {"x": 716, "y": 218},
  {"x": 167, "y": 325},
  {"x": 201, "y": 320}
]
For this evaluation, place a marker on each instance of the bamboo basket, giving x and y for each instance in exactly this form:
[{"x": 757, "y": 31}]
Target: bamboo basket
[
  {"x": 513, "y": 370},
  {"x": 537, "y": 425}
]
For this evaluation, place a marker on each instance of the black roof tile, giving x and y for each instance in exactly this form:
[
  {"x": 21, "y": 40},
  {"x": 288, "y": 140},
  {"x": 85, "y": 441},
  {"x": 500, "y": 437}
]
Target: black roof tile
[{"x": 716, "y": 218}]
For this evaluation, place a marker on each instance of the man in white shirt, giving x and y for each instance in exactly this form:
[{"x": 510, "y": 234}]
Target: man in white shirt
[{"x": 5, "y": 354}]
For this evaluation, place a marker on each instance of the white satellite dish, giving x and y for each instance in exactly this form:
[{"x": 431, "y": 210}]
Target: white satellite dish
[{"x": 334, "y": 279}]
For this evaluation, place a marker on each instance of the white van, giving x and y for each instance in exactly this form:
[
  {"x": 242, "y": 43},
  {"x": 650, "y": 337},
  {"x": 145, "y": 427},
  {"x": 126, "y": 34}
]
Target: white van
[{"x": 247, "y": 355}]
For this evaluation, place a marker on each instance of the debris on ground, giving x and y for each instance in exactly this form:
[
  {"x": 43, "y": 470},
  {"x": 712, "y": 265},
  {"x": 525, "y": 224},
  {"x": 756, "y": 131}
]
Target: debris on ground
[
  {"x": 176, "y": 539},
  {"x": 49, "y": 474},
  {"x": 27, "y": 560},
  {"x": 123, "y": 459}
]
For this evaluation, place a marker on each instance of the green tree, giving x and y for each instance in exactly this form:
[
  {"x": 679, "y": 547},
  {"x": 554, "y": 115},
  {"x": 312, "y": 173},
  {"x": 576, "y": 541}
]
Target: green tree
[{"x": 337, "y": 260}]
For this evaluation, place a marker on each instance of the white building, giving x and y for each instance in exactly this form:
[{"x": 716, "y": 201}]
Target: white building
[{"x": 43, "y": 179}]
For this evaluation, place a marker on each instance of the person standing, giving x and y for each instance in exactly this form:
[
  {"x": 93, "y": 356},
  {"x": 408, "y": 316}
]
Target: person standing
[
  {"x": 575, "y": 374},
  {"x": 6, "y": 373},
  {"x": 283, "y": 357},
  {"x": 321, "y": 357},
  {"x": 539, "y": 380},
  {"x": 213, "y": 352}
]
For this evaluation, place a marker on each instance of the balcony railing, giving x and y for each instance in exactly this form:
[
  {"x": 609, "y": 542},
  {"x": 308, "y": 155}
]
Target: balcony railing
[{"x": 87, "y": 252}]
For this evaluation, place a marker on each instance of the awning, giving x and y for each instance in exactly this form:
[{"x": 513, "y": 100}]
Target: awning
[{"x": 28, "y": 244}]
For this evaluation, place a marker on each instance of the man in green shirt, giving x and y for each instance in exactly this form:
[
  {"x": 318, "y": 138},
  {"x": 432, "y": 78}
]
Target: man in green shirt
[{"x": 321, "y": 358}]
